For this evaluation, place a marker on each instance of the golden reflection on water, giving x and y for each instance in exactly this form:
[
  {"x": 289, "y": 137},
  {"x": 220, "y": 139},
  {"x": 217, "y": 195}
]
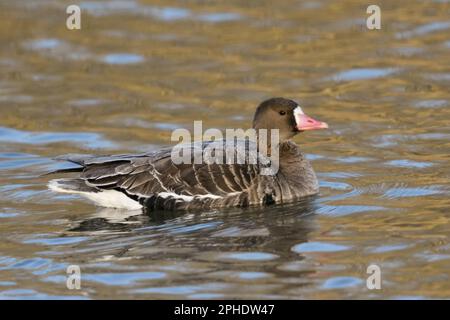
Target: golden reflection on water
[{"x": 139, "y": 69}]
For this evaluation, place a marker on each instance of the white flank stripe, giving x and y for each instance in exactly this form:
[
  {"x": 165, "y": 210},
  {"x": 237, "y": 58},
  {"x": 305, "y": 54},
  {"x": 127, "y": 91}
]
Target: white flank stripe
[
  {"x": 187, "y": 198},
  {"x": 105, "y": 198},
  {"x": 118, "y": 200}
]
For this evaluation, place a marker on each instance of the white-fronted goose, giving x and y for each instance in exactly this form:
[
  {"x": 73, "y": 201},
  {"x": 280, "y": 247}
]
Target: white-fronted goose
[{"x": 152, "y": 180}]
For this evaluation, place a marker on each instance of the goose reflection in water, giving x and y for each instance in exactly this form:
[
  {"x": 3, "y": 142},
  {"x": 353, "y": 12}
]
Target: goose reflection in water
[{"x": 242, "y": 234}]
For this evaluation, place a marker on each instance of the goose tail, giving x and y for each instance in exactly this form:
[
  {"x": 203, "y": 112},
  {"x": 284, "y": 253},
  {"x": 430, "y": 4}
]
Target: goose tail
[{"x": 104, "y": 198}]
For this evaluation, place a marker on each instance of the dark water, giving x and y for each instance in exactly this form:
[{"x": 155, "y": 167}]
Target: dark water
[{"x": 139, "y": 69}]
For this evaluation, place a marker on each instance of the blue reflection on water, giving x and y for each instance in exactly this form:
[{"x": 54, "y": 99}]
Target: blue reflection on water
[
  {"x": 90, "y": 140},
  {"x": 424, "y": 29},
  {"x": 46, "y": 43},
  {"x": 409, "y": 163},
  {"x": 122, "y": 58},
  {"x": 363, "y": 74},
  {"x": 410, "y": 192},
  {"x": 319, "y": 247},
  {"x": 219, "y": 17},
  {"x": 341, "y": 282}
]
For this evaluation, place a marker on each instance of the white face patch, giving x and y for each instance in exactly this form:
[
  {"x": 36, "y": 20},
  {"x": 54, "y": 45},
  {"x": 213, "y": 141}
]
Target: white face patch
[{"x": 298, "y": 111}]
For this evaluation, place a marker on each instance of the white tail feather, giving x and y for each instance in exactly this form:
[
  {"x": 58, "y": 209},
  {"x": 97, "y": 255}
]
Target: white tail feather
[{"x": 104, "y": 198}]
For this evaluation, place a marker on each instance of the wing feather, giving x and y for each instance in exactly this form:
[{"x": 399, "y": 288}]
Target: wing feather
[{"x": 152, "y": 175}]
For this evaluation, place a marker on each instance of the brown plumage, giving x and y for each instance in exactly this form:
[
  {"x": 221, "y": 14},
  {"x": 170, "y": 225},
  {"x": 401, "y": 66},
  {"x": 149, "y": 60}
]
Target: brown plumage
[{"x": 154, "y": 181}]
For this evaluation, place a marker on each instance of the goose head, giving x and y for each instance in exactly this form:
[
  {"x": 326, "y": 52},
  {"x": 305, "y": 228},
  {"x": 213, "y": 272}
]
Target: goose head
[{"x": 285, "y": 115}]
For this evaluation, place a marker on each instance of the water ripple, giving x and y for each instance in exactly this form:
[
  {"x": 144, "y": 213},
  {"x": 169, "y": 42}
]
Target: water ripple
[
  {"x": 249, "y": 256},
  {"x": 404, "y": 192},
  {"x": 363, "y": 74},
  {"x": 342, "y": 282},
  {"x": 409, "y": 163},
  {"x": 424, "y": 29},
  {"x": 432, "y": 103},
  {"x": 389, "y": 248},
  {"x": 343, "y": 210},
  {"x": 90, "y": 140},
  {"x": 122, "y": 58},
  {"x": 57, "y": 240},
  {"x": 319, "y": 247},
  {"x": 122, "y": 278}
]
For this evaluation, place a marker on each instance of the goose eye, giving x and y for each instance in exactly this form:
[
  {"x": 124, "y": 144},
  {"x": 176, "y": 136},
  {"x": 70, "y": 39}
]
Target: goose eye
[{"x": 282, "y": 112}]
